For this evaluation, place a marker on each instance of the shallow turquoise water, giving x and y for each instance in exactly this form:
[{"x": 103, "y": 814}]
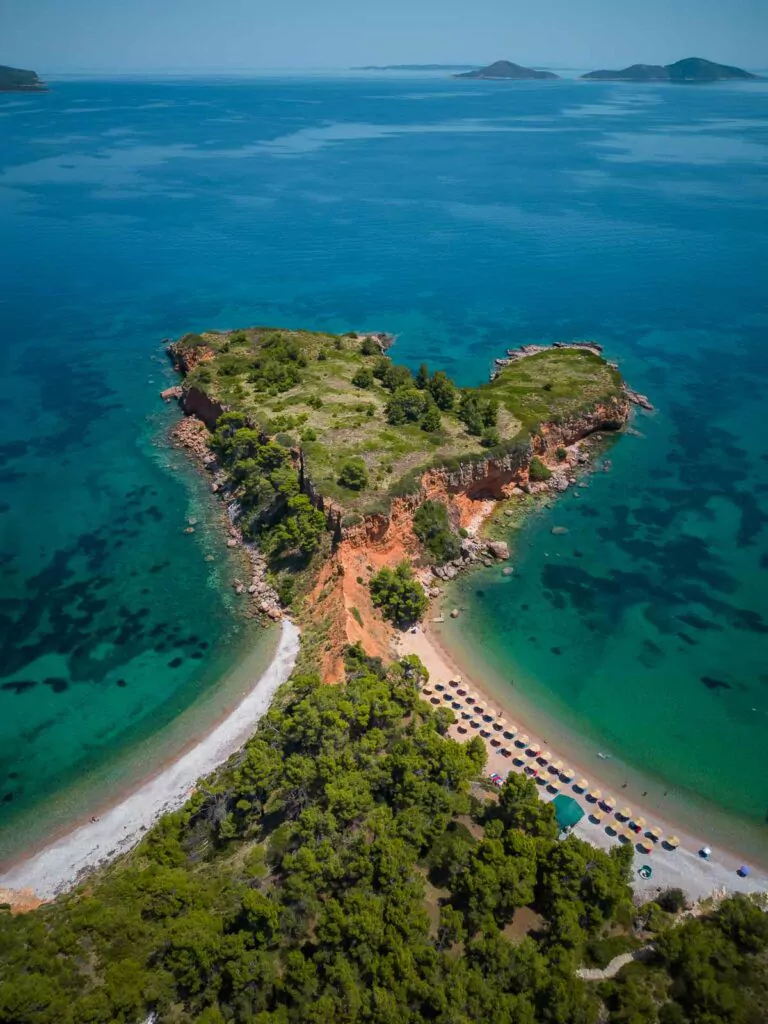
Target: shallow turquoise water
[{"x": 467, "y": 218}]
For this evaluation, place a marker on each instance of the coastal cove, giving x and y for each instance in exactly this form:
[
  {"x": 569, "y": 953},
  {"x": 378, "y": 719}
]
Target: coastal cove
[{"x": 640, "y": 210}]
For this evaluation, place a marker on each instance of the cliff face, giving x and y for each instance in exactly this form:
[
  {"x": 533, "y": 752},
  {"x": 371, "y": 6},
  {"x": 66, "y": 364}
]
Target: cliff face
[{"x": 196, "y": 403}]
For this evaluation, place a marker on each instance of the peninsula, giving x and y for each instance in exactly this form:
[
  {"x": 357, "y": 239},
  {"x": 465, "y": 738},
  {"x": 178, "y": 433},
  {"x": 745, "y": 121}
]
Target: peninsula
[
  {"x": 507, "y": 70},
  {"x": 344, "y": 464},
  {"x": 19, "y": 80},
  {"x": 690, "y": 70}
]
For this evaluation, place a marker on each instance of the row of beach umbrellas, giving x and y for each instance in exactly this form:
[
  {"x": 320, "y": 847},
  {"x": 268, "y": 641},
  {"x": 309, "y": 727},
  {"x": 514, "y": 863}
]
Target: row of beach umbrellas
[{"x": 633, "y": 828}]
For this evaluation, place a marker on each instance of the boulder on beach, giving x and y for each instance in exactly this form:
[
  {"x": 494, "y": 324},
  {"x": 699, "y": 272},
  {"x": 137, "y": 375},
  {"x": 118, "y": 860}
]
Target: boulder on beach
[{"x": 499, "y": 549}]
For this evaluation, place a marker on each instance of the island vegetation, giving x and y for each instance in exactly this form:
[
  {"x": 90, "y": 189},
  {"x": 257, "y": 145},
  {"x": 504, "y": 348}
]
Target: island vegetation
[
  {"x": 317, "y": 438},
  {"x": 350, "y": 864},
  {"x": 19, "y": 80},
  {"x": 689, "y": 70},
  {"x": 513, "y": 72}
]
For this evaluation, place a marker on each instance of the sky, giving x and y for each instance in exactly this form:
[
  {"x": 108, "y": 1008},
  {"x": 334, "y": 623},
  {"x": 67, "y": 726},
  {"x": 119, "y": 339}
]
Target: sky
[{"x": 219, "y": 35}]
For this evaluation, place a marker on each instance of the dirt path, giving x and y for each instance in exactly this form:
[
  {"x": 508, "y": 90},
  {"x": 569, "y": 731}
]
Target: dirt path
[{"x": 613, "y": 968}]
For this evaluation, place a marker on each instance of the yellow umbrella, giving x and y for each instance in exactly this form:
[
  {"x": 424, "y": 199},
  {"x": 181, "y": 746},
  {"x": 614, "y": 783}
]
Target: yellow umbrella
[
  {"x": 625, "y": 836},
  {"x": 609, "y": 802},
  {"x": 567, "y": 774},
  {"x": 638, "y": 823},
  {"x": 654, "y": 833},
  {"x": 499, "y": 724},
  {"x": 545, "y": 756},
  {"x": 645, "y": 845},
  {"x": 595, "y": 794},
  {"x": 553, "y": 784},
  {"x": 673, "y": 841},
  {"x": 534, "y": 748},
  {"x": 625, "y": 812},
  {"x": 581, "y": 784},
  {"x": 556, "y": 767},
  {"x": 596, "y": 816},
  {"x": 523, "y": 740}
]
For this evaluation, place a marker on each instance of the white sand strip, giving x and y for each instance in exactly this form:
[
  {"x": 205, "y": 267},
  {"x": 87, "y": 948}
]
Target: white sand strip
[{"x": 57, "y": 867}]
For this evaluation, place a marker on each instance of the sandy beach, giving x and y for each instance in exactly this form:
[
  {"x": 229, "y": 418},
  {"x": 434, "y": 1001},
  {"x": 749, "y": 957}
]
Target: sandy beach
[
  {"x": 58, "y": 865},
  {"x": 682, "y": 868}
]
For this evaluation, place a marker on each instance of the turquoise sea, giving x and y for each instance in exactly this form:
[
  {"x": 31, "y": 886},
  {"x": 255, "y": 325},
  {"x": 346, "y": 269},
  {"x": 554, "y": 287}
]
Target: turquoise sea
[{"x": 465, "y": 217}]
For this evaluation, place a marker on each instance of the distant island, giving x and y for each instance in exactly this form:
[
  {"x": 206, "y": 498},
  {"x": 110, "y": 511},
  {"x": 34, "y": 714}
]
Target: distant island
[
  {"x": 19, "y": 80},
  {"x": 414, "y": 67},
  {"x": 506, "y": 69},
  {"x": 690, "y": 70}
]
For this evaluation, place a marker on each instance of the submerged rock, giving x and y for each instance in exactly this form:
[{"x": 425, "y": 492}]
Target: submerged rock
[
  {"x": 559, "y": 530},
  {"x": 454, "y": 613}
]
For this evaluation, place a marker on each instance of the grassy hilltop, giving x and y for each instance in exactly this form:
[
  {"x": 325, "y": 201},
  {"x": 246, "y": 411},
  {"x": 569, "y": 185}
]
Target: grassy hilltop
[{"x": 341, "y": 399}]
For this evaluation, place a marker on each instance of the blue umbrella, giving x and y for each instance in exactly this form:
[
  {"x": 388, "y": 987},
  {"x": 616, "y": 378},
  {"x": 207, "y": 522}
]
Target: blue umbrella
[{"x": 743, "y": 871}]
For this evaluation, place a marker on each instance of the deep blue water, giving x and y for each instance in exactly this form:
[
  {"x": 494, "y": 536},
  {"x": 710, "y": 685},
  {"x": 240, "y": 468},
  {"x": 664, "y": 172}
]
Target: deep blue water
[{"x": 466, "y": 218}]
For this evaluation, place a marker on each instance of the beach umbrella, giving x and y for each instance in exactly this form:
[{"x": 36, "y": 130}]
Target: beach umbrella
[
  {"x": 461, "y": 728},
  {"x": 534, "y": 748},
  {"x": 638, "y": 823},
  {"x": 426, "y": 691},
  {"x": 581, "y": 784},
  {"x": 542, "y": 779},
  {"x": 625, "y": 836},
  {"x": 545, "y": 756},
  {"x": 595, "y": 794},
  {"x": 439, "y": 686},
  {"x": 625, "y": 812},
  {"x": 673, "y": 841},
  {"x": 480, "y": 708},
  {"x": 434, "y": 700},
  {"x": 596, "y": 816},
  {"x": 523, "y": 740},
  {"x": 553, "y": 785},
  {"x": 567, "y": 774},
  {"x": 474, "y": 723},
  {"x": 499, "y": 724},
  {"x": 470, "y": 699},
  {"x": 645, "y": 845},
  {"x": 556, "y": 767},
  {"x": 743, "y": 871},
  {"x": 456, "y": 680},
  {"x": 461, "y": 691},
  {"x": 654, "y": 833},
  {"x": 609, "y": 802},
  {"x": 705, "y": 852}
]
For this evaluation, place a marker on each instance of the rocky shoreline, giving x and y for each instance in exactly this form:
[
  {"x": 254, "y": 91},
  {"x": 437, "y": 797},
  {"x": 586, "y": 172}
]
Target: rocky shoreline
[{"x": 192, "y": 435}]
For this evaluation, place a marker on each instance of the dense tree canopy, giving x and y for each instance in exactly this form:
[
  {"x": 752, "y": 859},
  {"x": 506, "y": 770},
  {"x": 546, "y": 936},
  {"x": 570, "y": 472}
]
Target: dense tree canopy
[
  {"x": 347, "y": 866},
  {"x": 399, "y": 594}
]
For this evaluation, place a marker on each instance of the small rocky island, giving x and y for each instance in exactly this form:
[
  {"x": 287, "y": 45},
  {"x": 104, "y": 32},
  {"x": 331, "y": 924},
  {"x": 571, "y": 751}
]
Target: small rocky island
[
  {"x": 505, "y": 69},
  {"x": 19, "y": 80},
  {"x": 339, "y": 464},
  {"x": 688, "y": 71}
]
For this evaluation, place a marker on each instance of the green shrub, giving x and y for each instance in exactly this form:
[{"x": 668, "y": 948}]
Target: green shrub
[
  {"x": 561, "y": 454},
  {"x": 430, "y": 421},
  {"x": 355, "y": 613},
  {"x": 363, "y": 378},
  {"x": 537, "y": 471},
  {"x": 672, "y": 900},
  {"x": 407, "y": 405},
  {"x": 398, "y": 594},
  {"x": 353, "y": 474},
  {"x": 370, "y": 347},
  {"x": 432, "y": 526}
]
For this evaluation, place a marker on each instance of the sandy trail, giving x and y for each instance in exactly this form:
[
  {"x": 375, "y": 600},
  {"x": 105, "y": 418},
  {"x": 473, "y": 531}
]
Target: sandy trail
[
  {"x": 682, "y": 868},
  {"x": 57, "y": 866}
]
